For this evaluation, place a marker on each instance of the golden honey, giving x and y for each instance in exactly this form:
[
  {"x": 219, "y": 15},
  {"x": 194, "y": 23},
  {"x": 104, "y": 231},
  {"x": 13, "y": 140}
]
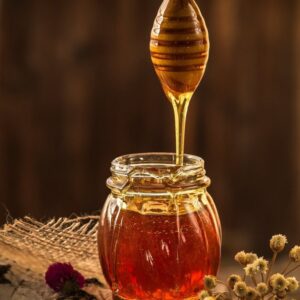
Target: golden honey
[
  {"x": 159, "y": 232},
  {"x": 179, "y": 49}
]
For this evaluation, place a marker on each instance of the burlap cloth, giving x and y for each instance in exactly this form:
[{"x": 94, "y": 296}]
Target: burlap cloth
[{"x": 30, "y": 246}]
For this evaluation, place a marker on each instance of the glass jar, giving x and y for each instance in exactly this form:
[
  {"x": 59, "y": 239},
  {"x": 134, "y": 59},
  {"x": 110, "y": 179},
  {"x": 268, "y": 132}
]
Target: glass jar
[{"x": 159, "y": 231}]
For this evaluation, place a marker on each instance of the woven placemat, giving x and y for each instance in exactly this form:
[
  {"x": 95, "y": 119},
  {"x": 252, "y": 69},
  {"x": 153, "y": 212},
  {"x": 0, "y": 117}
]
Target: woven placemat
[{"x": 30, "y": 246}]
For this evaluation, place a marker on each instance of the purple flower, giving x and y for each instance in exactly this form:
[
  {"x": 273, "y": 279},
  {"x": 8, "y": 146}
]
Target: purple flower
[{"x": 62, "y": 277}]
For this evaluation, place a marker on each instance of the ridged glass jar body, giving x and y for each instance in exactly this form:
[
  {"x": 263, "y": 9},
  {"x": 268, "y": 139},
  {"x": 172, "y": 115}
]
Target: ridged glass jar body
[{"x": 159, "y": 231}]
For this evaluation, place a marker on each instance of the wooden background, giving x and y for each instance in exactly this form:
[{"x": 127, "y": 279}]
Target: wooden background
[{"x": 77, "y": 89}]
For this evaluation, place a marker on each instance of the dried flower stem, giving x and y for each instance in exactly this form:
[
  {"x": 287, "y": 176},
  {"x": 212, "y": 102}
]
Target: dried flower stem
[
  {"x": 287, "y": 266},
  {"x": 271, "y": 265},
  {"x": 254, "y": 280},
  {"x": 292, "y": 270},
  {"x": 218, "y": 295},
  {"x": 270, "y": 297},
  {"x": 227, "y": 287},
  {"x": 224, "y": 284}
]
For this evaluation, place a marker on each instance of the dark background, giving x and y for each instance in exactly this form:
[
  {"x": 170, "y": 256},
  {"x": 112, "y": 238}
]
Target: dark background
[{"x": 77, "y": 89}]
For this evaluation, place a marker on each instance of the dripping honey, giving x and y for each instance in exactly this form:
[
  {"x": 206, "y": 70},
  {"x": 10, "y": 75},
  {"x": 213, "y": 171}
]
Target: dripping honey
[{"x": 179, "y": 49}]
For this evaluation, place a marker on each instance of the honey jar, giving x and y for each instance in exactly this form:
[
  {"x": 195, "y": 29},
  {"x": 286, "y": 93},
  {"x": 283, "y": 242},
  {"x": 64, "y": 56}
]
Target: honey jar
[{"x": 159, "y": 231}]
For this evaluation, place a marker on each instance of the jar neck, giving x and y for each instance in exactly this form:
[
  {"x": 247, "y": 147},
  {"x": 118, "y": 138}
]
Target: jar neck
[{"x": 156, "y": 173}]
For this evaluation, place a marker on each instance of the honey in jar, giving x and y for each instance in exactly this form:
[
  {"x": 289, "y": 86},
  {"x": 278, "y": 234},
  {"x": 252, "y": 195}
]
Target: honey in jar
[{"x": 159, "y": 232}]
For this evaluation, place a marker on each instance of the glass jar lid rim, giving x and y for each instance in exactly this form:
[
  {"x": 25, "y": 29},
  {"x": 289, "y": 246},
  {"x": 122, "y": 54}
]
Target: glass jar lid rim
[{"x": 162, "y": 162}]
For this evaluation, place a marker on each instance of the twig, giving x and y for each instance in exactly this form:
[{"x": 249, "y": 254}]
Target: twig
[
  {"x": 254, "y": 280},
  {"x": 271, "y": 265},
  {"x": 287, "y": 266},
  {"x": 224, "y": 284},
  {"x": 292, "y": 270}
]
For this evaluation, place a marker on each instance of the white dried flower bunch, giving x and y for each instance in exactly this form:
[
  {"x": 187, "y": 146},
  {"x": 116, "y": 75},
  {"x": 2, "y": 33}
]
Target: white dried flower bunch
[{"x": 257, "y": 281}]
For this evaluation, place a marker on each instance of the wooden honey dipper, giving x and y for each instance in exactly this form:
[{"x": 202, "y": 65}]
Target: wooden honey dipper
[{"x": 179, "y": 49}]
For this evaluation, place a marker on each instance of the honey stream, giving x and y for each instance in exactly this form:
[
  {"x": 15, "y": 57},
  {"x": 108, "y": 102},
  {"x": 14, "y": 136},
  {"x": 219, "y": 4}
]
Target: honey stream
[{"x": 179, "y": 49}]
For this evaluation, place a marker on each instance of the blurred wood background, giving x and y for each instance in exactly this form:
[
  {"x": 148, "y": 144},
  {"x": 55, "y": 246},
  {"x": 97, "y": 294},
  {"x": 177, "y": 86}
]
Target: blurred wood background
[{"x": 77, "y": 89}]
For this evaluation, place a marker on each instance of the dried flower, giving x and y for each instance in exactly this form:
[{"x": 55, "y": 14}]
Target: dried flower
[
  {"x": 251, "y": 257},
  {"x": 293, "y": 284},
  {"x": 278, "y": 282},
  {"x": 295, "y": 254},
  {"x": 251, "y": 270},
  {"x": 240, "y": 257},
  {"x": 210, "y": 282},
  {"x": 251, "y": 294},
  {"x": 203, "y": 295},
  {"x": 261, "y": 265},
  {"x": 277, "y": 243},
  {"x": 240, "y": 289},
  {"x": 62, "y": 277},
  {"x": 269, "y": 287},
  {"x": 232, "y": 280},
  {"x": 262, "y": 288}
]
